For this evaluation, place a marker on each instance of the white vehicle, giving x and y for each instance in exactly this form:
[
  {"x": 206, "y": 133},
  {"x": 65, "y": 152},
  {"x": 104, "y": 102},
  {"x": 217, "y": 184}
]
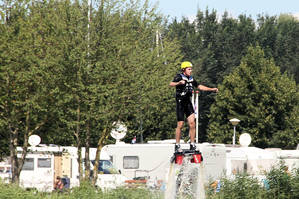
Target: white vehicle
[
  {"x": 44, "y": 163},
  {"x": 109, "y": 177},
  {"x": 252, "y": 160},
  {"x": 289, "y": 157},
  {"x": 5, "y": 171},
  {"x": 151, "y": 161}
]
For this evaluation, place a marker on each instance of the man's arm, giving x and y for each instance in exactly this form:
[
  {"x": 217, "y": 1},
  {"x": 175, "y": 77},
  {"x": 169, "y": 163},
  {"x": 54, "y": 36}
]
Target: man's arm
[
  {"x": 173, "y": 84},
  {"x": 205, "y": 88}
]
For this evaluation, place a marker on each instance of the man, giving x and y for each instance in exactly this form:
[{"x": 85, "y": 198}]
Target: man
[
  {"x": 184, "y": 84},
  {"x": 58, "y": 184}
]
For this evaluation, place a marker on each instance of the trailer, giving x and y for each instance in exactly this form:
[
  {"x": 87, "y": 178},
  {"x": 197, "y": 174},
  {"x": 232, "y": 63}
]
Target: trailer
[
  {"x": 251, "y": 160},
  {"x": 44, "y": 163},
  {"x": 5, "y": 171},
  {"x": 151, "y": 161}
]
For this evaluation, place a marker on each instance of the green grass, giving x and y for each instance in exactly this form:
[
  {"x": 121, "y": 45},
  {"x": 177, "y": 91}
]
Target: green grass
[
  {"x": 279, "y": 184},
  {"x": 85, "y": 191}
]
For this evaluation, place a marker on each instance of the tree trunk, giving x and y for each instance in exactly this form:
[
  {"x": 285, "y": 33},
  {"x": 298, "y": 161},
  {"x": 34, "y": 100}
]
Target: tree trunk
[
  {"x": 17, "y": 163},
  {"x": 87, "y": 145},
  {"x": 98, "y": 154},
  {"x": 78, "y": 140},
  {"x": 13, "y": 155}
]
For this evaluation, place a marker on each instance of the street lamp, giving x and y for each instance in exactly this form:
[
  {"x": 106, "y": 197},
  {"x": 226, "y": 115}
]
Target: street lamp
[{"x": 234, "y": 122}]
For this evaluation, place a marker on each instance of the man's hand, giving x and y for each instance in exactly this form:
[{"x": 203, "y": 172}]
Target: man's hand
[
  {"x": 173, "y": 84},
  {"x": 182, "y": 82},
  {"x": 215, "y": 90}
]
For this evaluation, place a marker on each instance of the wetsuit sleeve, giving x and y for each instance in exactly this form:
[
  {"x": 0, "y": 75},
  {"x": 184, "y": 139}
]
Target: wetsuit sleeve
[{"x": 177, "y": 78}]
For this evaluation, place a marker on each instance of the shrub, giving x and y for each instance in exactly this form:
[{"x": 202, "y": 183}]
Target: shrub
[
  {"x": 12, "y": 191},
  {"x": 283, "y": 184},
  {"x": 242, "y": 186}
]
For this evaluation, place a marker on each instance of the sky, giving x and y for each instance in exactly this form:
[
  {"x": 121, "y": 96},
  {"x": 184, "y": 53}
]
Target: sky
[{"x": 188, "y": 8}]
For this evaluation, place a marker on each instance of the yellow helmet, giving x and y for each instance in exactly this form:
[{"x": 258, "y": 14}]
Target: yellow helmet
[{"x": 186, "y": 64}]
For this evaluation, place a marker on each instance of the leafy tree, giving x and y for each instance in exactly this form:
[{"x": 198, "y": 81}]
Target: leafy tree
[
  {"x": 267, "y": 33},
  {"x": 131, "y": 70},
  {"x": 265, "y": 101},
  {"x": 26, "y": 89},
  {"x": 68, "y": 71},
  {"x": 278, "y": 36},
  {"x": 286, "y": 47},
  {"x": 185, "y": 32}
]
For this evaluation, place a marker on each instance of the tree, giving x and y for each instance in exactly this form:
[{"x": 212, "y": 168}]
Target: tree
[
  {"x": 27, "y": 90},
  {"x": 263, "y": 99},
  {"x": 127, "y": 71},
  {"x": 278, "y": 36},
  {"x": 286, "y": 47}
]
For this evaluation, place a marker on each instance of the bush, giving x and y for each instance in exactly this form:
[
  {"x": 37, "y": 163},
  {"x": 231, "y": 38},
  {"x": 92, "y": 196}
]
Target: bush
[
  {"x": 86, "y": 190},
  {"x": 283, "y": 184},
  {"x": 279, "y": 183},
  {"x": 242, "y": 186},
  {"x": 12, "y": 191}
]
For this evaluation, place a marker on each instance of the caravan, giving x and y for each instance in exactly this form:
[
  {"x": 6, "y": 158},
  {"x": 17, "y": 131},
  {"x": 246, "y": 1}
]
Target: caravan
[
  {"x": 151, "y": 161},
  {"x": 44, "y": 163}
]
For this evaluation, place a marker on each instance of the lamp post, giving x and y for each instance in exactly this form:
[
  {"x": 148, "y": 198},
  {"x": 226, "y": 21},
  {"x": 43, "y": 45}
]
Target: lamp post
[{"x": 234, "y": 122}]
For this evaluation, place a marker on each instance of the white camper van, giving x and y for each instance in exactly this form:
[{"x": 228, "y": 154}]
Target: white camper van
[
  {"x": 289, "y": 157},
  {"x": 44, "y": 163},
  {"x": 252, "y": 160},
  {"x": 5, "y": 171},
  {"x": 152, "y": 160}
]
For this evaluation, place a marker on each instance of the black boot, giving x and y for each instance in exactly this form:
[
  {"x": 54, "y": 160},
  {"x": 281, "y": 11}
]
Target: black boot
[
  {"x": 192, "y": 147},
  {"x": 177, "y": 148}
]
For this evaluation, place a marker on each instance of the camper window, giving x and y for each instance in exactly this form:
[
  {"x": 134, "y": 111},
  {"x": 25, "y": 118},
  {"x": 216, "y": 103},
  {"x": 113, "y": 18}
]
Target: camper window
[
  {"x": 44, "y": 163},
  {"x": 28, "y": 164},
  {"x": 106, "y": 167},
  {"x": 131, "y": 162}
]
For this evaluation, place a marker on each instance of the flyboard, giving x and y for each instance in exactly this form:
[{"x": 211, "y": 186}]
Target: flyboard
[{"x": 185, "y": 175}]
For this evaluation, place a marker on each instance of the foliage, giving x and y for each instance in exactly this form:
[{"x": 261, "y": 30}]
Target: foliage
[
  {"x": 278, "y": 36},
  {"x": 86, "y": 190},
  {"x": 283, "y": 183},
  {"x": 279, "y": 182},
  {"x": 241, "y": 186},
  {"x": 69, "y": 70},
  {"x": 26, "y": 75},
  {"x": 11, "y": 191},
  {"x": 265, "y": 101}
]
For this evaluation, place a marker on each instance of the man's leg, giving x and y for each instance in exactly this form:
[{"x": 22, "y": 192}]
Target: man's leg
[
  {"x": 191, "y": 122},
  {"x": 178, "y": 131}
]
